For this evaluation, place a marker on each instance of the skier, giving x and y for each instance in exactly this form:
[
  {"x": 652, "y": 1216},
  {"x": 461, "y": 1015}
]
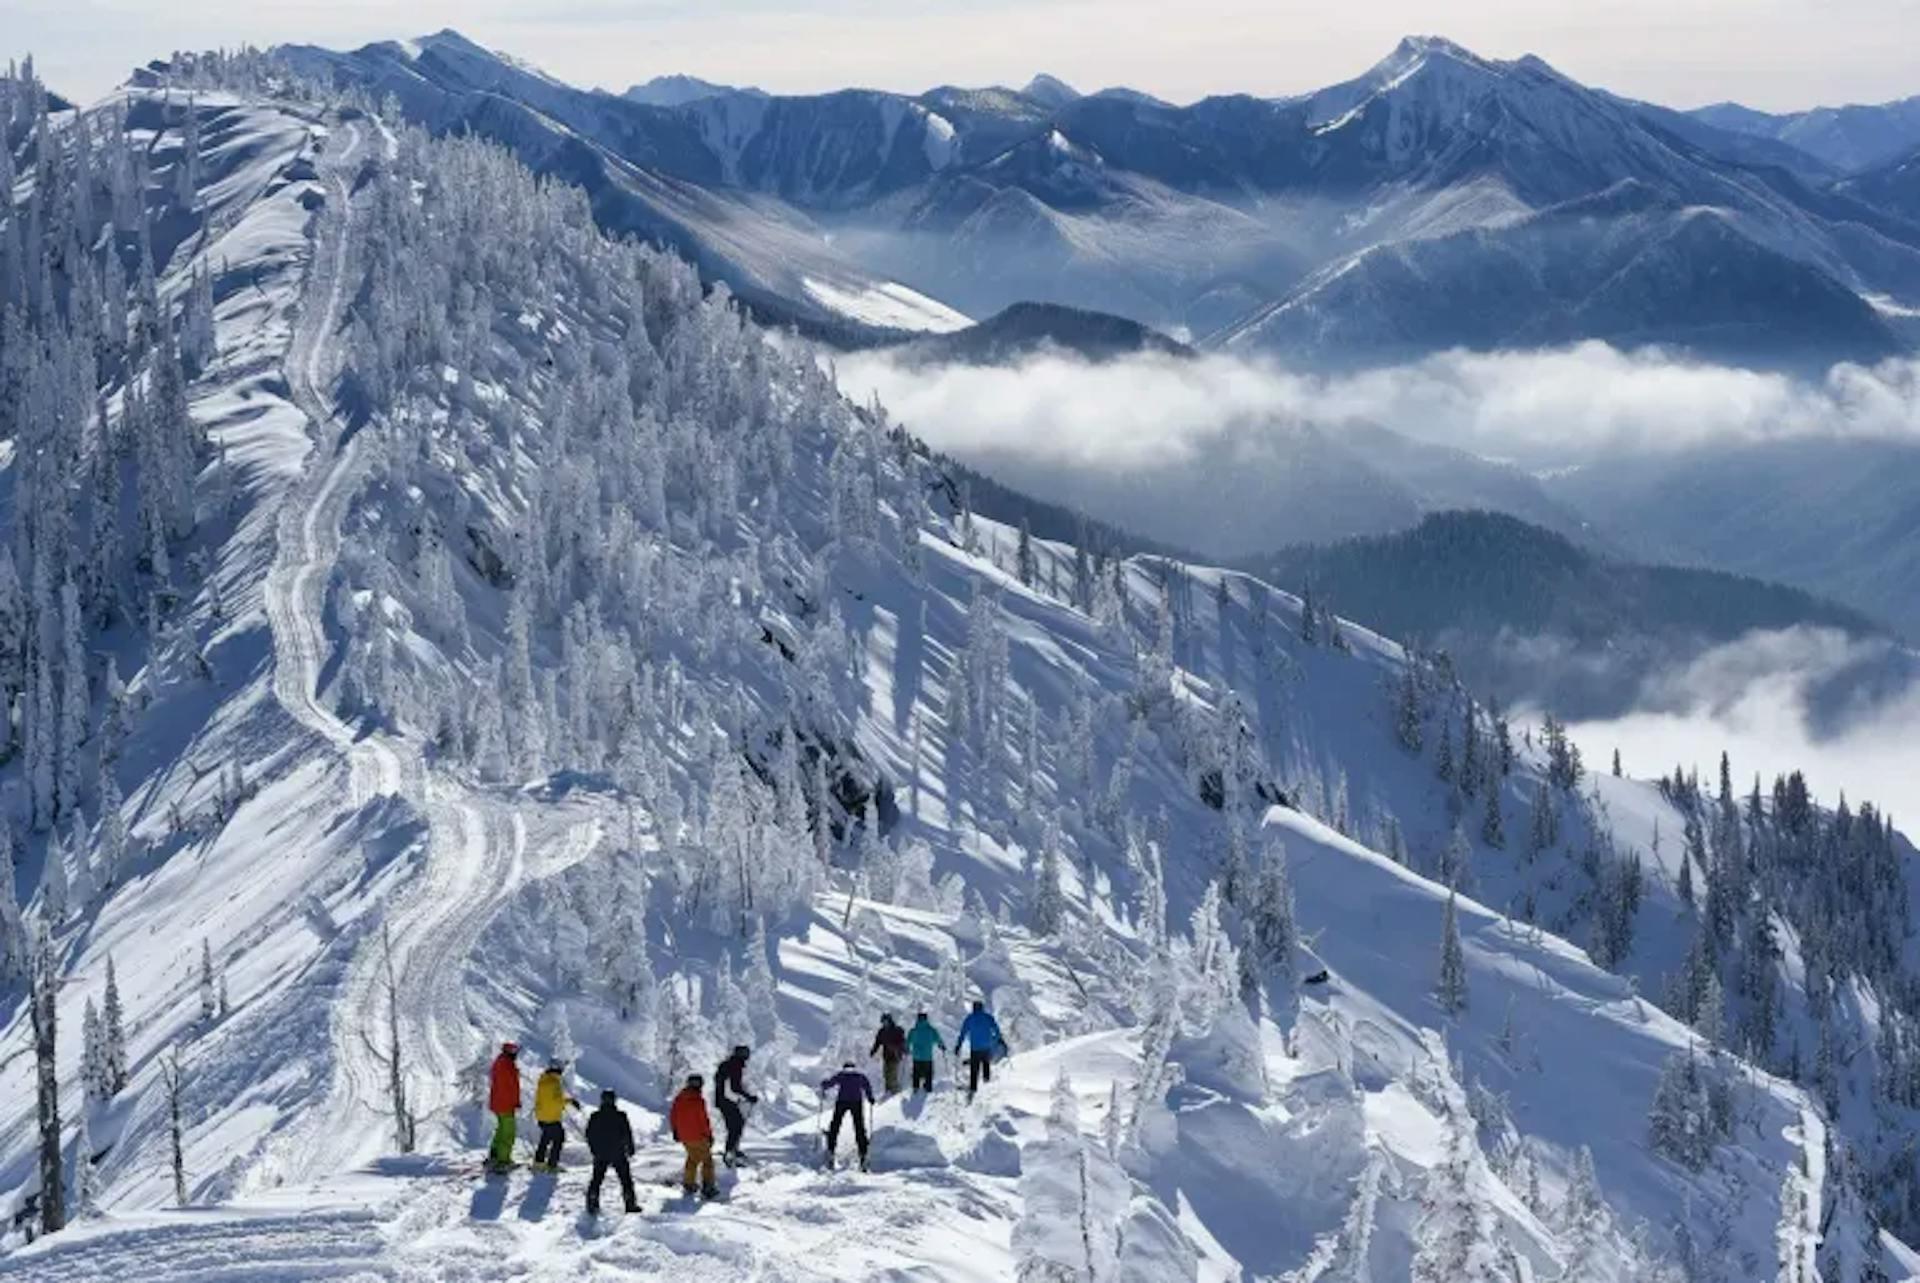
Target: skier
[
  {"x": 694, "y": 1130},
  {"x": 890, "y": 1044},
  {"x": 550, "y": 1103},
  {"x": 610, "y": 1138},
  {"x": 729, "y": 1078},
  {"x": 980, "y": 1032},
  {"x": 922, "y": 1041},
  {"x": 852, "y": 1094},
  {"x": 503, "y": 1100}
]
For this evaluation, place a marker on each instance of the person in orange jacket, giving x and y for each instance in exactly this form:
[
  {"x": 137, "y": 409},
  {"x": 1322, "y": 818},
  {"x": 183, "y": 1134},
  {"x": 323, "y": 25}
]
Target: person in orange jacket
[
  {"x": 503, "y": 1100},
  {"x": 694, "y": 1130}
]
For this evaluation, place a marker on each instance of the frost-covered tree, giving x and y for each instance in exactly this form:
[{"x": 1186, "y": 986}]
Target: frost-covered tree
[
  {"x": 42, "y": 1009},
  {"x": 1272, "y": 931},
  {"x": 1048, "y": 906},
  {"x": 86, "y": 1190},
  {"x": 1450, "y": 990},
  {"x": 95, "y": 1072},
  {"x": 1407, "y": 711},
  {"x": 209, "y": 996},
  {"x": 1457, "y": 1234},
  {"x": 1493, "y": 825}
]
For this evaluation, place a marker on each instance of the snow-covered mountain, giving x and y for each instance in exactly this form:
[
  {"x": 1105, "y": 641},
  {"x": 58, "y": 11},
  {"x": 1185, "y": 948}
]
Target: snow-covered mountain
[
  {"x": 1436, "y": 174},
  {"x": 1851, "y": 139},
  {"x": 678, "y": 91},
  {"x": 430, "y": 620}
]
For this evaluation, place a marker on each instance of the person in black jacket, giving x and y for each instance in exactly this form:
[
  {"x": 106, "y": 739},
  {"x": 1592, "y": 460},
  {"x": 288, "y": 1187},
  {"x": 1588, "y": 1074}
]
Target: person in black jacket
[
  {"x": 610, "y": 1138},
  {"x": 730, "y": 1078},
  {"x": 890, "y": 1044}
]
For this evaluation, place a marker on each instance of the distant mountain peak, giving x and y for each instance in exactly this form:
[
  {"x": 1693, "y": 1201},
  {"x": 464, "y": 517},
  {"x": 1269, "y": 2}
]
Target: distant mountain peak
[
  {"x": 1050, "y": 91},
  {"x": 679, "y": 90}
]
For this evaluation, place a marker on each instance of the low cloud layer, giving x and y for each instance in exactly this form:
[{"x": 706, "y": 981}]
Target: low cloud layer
[
  {"x": 1537, "y": 407},
  {"x": 1845, "y": 712}
]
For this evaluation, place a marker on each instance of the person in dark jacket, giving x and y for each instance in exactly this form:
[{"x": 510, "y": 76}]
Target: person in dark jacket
[
  {"x": 980, "y": 1033},
  {"x": 730, "y": 1077},
  {"x": 890, "y": 1044},
  {"x": 852, "y": 1093},
  {"x": 610, "y": 1138}
]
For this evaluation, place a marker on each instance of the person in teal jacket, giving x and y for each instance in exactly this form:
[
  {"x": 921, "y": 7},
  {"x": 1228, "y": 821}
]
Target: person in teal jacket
[
  {"x": 980, "y": 1033},
  {"x": 922, "y": 1041}
]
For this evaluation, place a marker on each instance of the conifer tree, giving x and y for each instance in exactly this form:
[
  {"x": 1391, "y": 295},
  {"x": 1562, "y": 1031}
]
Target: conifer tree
[
  {"x": 113, "y": 1029},
  {"x": 208, "y": 998},
  {"x": 42, "y": 1007},
  {"x": 1451, "y": 988},
  {"x": 1493, "y": 829}
]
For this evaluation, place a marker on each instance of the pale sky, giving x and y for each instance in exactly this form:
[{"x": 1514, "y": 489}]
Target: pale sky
[{"x": 1773, "y": 54}]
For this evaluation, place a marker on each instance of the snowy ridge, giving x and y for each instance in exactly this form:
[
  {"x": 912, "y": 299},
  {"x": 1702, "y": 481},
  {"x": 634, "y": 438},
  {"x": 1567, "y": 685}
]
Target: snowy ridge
[{"x": 647, "y": 697}]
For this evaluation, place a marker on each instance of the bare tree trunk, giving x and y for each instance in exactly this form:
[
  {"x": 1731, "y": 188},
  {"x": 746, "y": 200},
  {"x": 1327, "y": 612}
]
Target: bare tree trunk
[
  {"x": 42, "y": 1005},
  {"x": 170, "y": 1075},
  {"x": 404, "y": 1123}
]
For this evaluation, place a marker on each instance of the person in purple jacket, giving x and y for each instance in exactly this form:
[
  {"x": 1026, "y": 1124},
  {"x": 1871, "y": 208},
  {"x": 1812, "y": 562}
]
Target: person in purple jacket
[{"x": 852, "y": 1094}]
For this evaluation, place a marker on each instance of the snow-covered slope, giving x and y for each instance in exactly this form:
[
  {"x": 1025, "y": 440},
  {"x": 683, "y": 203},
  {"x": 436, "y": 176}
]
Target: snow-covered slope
[{"x": 567, "y": 662}]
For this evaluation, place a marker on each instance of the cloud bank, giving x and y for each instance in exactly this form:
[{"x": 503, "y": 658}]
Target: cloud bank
[
  {"x": 1537, "y": 408},
  {"x": 1845, "y": 712}
]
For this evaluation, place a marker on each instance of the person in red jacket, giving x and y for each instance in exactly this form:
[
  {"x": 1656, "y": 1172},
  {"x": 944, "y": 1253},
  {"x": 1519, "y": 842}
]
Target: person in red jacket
[
  {"x": 694, "y": 1130},
  {"x": 503, "y": 1100}
]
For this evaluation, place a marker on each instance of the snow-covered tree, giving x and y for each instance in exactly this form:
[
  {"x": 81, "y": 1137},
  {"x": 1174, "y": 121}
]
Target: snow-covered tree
[
  {"x": 42, "y": 1008},
  {"x": 209, "y": 996},
  {"x": 1451, "y": 988},
  {"x": 1457, "y": 1235}
]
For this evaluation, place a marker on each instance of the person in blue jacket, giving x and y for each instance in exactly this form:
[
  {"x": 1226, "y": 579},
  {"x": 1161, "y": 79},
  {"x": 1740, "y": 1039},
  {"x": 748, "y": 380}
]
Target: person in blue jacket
[{"x": 980, "y": 1034}]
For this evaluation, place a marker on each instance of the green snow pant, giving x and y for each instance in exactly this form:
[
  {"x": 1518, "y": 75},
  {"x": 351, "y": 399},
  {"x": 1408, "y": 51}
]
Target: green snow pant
[{"x": 501, "y": 1151}]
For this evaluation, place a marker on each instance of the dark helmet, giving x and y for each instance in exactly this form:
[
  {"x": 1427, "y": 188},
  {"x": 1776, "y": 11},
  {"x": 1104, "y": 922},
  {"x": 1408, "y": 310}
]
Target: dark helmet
[
  {"x": 742, "y": 1051},
  {"x": 921, "y": 1016},
  {"x": 556, "y": 1065},
  {"x": 608, "y": 1097},
  {"x": 509, "y": 1048},
  {"x": 695, "y": 1082},
  {"x": 887, "y": 1019},
  {"x": 848, "y": 1065},
  {"x": 979, "y": 1005}
]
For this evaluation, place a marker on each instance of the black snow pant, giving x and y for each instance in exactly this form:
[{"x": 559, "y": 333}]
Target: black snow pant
[
  {"x": 979, "y": 1070},
  {"x": 736, "y": 1119},
  {"x": 620, "y": 1169},
  {"x": 923, "y": 1075},
  {"x": 552, "y": 1137},
  {"x": 859, "y": 1116}
]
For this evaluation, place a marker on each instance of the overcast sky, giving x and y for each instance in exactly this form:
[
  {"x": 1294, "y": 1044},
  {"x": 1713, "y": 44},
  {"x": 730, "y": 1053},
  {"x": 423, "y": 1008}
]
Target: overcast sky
[{"x": 1776, "y": 54}]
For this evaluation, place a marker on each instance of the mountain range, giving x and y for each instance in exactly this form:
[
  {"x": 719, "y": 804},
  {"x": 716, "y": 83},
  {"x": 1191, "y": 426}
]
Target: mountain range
[{"x": 1440, "y": 199}]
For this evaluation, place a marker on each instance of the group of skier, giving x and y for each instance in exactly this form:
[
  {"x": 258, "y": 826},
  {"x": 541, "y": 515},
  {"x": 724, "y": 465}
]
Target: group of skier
[{"x": 610, "y": 1136}]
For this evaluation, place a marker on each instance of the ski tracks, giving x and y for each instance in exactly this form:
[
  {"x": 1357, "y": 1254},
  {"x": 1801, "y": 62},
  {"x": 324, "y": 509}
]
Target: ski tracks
[{"x": 477, "y": 846}]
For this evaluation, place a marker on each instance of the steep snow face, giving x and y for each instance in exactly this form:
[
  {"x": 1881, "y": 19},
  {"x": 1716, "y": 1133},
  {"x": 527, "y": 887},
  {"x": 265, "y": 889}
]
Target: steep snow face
[
  {"x": 606, "y": 681},
  {"x": 829, "y": 152},
  {"x": 889, "y": 307}
]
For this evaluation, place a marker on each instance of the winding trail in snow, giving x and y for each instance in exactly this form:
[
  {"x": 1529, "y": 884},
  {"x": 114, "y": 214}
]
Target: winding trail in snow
[{"x": 476, "y": 849}]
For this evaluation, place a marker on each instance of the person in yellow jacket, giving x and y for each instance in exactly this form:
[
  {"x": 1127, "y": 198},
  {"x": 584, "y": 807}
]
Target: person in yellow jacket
[{"x": 550, "y": 1104}]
